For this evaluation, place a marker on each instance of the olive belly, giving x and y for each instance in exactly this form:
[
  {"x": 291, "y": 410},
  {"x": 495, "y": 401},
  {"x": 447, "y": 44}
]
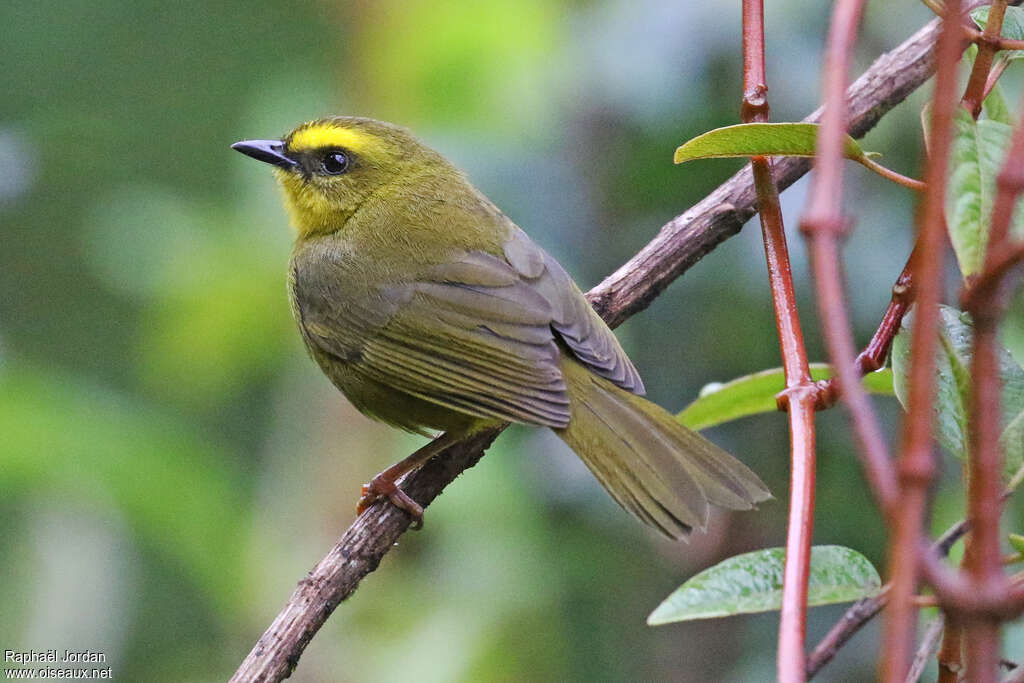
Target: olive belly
[{"x": 394, "y": 406}]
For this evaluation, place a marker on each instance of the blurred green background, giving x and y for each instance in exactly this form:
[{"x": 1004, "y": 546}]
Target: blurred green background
[{"x": 171, "y": 462}]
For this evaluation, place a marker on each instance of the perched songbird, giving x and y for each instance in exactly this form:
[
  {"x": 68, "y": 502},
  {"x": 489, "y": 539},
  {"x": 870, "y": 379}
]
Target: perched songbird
[{"x": 431, "y": 310}]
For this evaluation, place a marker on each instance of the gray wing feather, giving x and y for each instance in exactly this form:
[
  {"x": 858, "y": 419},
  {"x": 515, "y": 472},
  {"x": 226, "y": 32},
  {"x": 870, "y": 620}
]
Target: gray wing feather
[
  {"x": 578, "y": 325},
  {"x": 479, "y": 334}
]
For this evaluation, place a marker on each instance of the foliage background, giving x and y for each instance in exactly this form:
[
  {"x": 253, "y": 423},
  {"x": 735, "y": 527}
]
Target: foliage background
[{"x": 171, "y": 462}]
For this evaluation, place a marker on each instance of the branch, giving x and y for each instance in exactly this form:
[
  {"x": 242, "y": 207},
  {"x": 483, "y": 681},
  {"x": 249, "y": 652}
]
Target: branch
[
  {"x": 974, "y": 94},
  {"x": 950, "y": 655},
  {"x": 873, "y": 356},
  {"x": 916, "y": 464},
  {"x": 924, "y": 652},
  {"x": 678, "y": 246},
  {"x": 976, "y": 36},
  {"x": 864, "y": 610},
  {"x": 984, "y": 563},
  {"x": 823, "y": 225},
  {"x": 799, "y": 395},
  {"x": 687, "y": 238}
]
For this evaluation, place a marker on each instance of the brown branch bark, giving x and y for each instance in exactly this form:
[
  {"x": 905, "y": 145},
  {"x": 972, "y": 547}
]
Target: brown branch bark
[
  {"x": 678, "y": 246},
  {"x": 924, "y": 651},
  {"x": 687, "y": 238}
]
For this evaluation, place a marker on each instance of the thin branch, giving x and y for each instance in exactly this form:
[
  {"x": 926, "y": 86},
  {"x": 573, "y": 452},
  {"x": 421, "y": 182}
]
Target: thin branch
[
  {"x": 864, "y": 610},
  {"x": 974, "y": 94},
  {"x": 1008, "y": 256},
  {"x": 984, "y": 563},
  {"x": 799, "y": 395},
  {"x": 916, "y": 464},
  {"x": 852, "y": 621},
  {"x": 976, "y": 36},
  {"x": 823, "y": 224},
  {"x": 991, "y": 602},
  {"x": 950, "y": 658},
  {"x": 925, "y": 649},
  {"x": 950, "y": 655},
  {"x": 687, "y": 238},
  {"x": 873, "y": 356},
  {"x": 355, "y": 555},
  {"x": 630, "y": 289}
]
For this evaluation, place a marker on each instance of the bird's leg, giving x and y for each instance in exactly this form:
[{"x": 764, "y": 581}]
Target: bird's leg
[{"x": 385, "y": 484}]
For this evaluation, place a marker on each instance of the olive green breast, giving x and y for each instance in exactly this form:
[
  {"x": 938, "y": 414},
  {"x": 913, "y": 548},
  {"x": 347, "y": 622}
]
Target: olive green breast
[{"x": 346, "y": 286}]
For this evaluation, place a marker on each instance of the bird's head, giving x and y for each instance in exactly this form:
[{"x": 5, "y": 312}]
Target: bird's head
[{"x": 329, "y": 167}]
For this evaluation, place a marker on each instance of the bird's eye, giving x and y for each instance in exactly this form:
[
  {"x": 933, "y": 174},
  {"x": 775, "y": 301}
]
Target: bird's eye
[{"x": 334, "y": 163}]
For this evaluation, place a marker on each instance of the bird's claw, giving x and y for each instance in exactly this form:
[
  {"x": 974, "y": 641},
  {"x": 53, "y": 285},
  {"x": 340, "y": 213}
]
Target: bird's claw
[{"x": 380, "y": 487}]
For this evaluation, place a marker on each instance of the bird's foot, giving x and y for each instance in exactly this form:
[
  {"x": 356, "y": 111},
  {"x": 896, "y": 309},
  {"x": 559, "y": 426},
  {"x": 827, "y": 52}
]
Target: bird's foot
[{"x": 384, "y": 487}]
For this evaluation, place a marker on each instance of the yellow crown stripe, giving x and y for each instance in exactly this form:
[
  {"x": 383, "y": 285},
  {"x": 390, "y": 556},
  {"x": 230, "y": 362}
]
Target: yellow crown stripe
[{"x": 324, "y": 135}]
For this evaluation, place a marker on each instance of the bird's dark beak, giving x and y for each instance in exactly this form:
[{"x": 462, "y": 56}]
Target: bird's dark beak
[{"x": 269, "y": 151}]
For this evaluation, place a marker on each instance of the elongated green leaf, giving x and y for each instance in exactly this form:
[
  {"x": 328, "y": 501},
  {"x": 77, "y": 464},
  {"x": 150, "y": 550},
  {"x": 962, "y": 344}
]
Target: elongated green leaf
[
  {"x": 1012, "y": 440},
  {"x": 1013, "y": 27},
  {"x": 753, "y": 394},
  {"x": 953, "y": 381},
  {"x": 1012, "y": 332},
  {"x": 995, "y": 106},
  {"x": 979, "y": 150},
  {"x": 752, "y": 582},
  {"x": 753, "y": 139}
]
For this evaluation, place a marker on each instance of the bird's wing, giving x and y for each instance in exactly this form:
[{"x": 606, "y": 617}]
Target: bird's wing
[
  {"x": 478, "y": 334},
  {"x": 577, "y": 324}
]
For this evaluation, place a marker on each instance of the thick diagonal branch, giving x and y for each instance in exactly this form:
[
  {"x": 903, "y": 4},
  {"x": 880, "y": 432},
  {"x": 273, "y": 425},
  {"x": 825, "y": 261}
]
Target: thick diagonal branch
[{"x": 630, "y": 289}]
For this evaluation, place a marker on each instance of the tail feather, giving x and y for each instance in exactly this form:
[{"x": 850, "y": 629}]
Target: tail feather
[{"x": 661, "y": 472}]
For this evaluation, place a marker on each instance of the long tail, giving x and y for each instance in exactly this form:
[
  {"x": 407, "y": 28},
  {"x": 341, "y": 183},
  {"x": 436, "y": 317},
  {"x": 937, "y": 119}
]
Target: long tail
[{"x": 652, "y": 466}]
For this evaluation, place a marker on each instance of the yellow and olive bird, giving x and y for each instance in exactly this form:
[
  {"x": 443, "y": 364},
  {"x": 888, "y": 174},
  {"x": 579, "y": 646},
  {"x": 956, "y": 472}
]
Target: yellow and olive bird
[{"x": 432, "y": 311}]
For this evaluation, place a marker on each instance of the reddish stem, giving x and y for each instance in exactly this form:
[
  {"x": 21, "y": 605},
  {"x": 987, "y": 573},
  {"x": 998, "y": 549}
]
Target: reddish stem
[
  {"x": 793, "y": 619},
  {"x": 974, "y": 94},
  {"x": 823, "y": 223},
  {"x": 950, "y": 658},
  {"x": 873, "y": 356},
  {"x": 916, "y": 465},
  {"x": 976, "y": 36},
  {"x": 799, "y": 395},
  {"x": 984, "y": 564}
]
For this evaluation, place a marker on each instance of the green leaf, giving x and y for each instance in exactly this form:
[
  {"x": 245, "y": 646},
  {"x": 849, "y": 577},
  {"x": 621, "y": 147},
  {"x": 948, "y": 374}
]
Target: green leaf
[
  {"x": 1013, "y": 27},
  {"x": 1012, "y": 332},
  {"x": 995, "y": 107},
  {"x": 952, "y": 368},
  {"x": 1017, "y": 542},
  {"x": 754, "y": 139},
  {"x": 753, "y": 394},
  {"x": 979, "y": 149},
  {"x": 752, "y": 582}
]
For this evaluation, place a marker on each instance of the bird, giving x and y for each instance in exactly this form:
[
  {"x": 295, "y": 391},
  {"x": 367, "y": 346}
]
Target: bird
[{"x": 432, "y": 311}]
